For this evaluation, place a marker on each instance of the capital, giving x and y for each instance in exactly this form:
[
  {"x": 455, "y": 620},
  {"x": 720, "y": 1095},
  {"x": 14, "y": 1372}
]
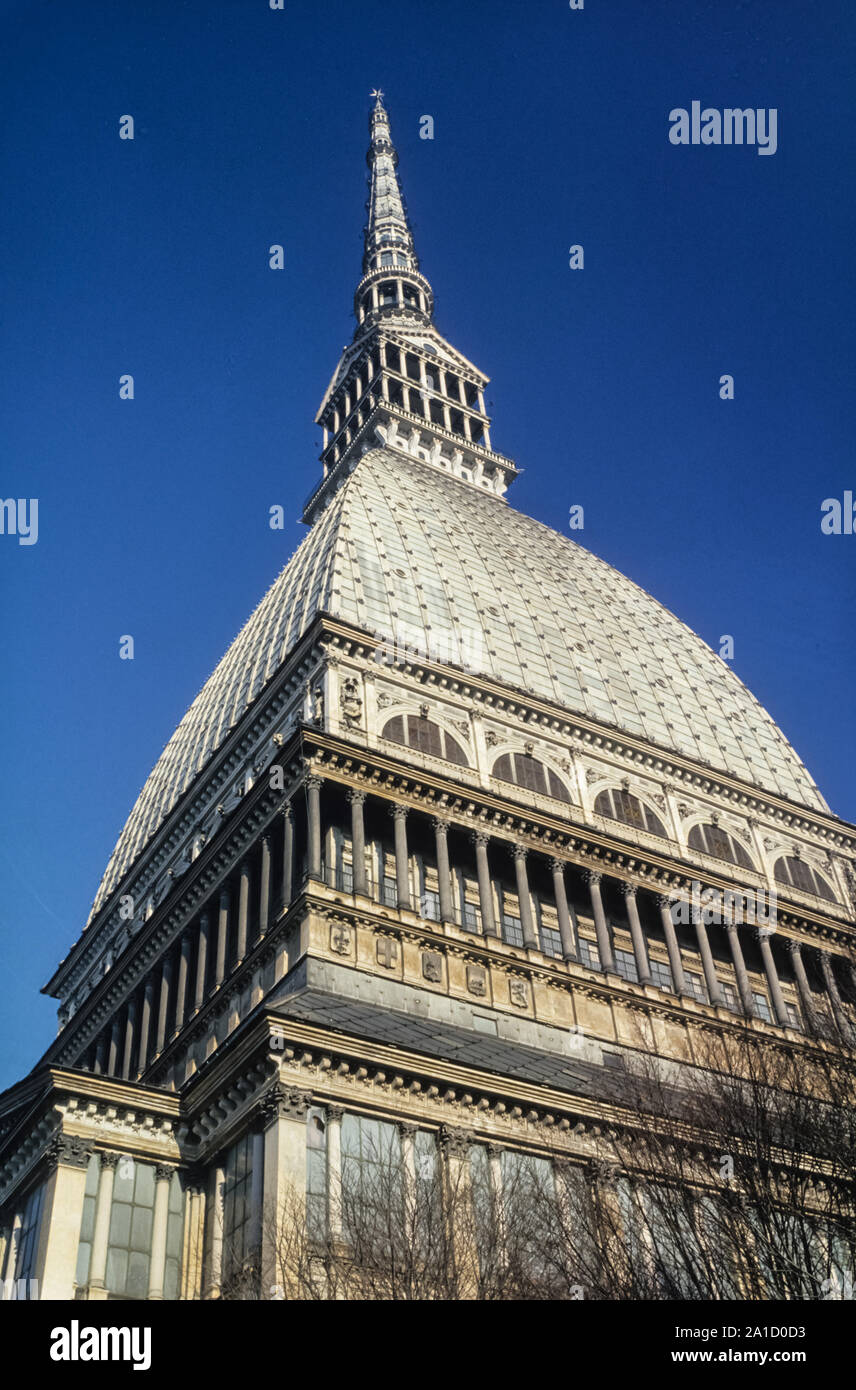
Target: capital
[
  {"x": 357, "y": 797},
  {"x": 398, "y": 812},
  {"x": 628, "y": 890},
  {"x": 480, "y": 838},
  {"x": 520, "y": 853},
  {"x": 592, "y": 877},
  {"x": 557, "y": 866}
]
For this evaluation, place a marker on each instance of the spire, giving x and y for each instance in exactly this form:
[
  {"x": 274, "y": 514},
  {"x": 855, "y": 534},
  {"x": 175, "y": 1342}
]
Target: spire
[
  {"x": 391, "y": 278},
  {"x": 399, "y": 384}
]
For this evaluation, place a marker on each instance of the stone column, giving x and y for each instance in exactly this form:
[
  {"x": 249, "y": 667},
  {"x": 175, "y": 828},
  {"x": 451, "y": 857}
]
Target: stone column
[
  {"x": 181, "y": 983},
  {"x": 157, "y": 1262},
  {"x": 637, "y": 935},
  {"x": 679, "y": 984},
  {"x": 454, "y": 1150},
  {"x": 802, "y": 983},
  {"x": 313, "y": 803},
  {"x": 481, "y": 841},
  {"x": 402, "y": 863},
  {"x": 527, "y": 921},
  {"x": 604, "y": 945},
  {"x": 194, "y": 1238},
  {"x": 358, "y": 842},
  {"x": 222, "y": 937},
  {"x": 744, "y": 989},
  {"x": 264, "y": 886},
  {"x": 130, "y": 1039},
  {"x": 216, "y": 1213},
  {"x": 762, "y": 936},
  {"x": 163, "y": 1003},
  {"x": 62, "y": 1211},
  {"x": 566, "y": 926},
  {"x": 100, "y": 1054},
  {"x": 201, "y": 962},
  {"x": 257, "y": 1196},
  {"x": 714, "y": 989},
  {"x": 243, "y": 912},
  {"x": 283, "y": 1115},
  {"x": 444, "y": 876},
  {"x": 12, "y": 1247},
  {"x": 115, "y": 1046},
  {"x": 146, "y": 1023},
  {"x": 287, "y": 853},
  {"x": 101, "y": 1233},
  {"x": 834, "y": 996},
  {"x": 335, "y": 1114}
]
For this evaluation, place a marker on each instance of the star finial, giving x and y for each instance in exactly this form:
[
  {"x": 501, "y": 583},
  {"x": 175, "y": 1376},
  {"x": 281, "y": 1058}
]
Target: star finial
[{"x": 377, "y": 94}]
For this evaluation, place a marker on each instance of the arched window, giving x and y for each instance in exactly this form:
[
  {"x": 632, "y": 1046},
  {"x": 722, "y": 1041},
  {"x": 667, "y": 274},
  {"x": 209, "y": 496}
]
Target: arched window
[
  {"x": 621, "y": 805},
  {"x": 423, "y": 734},
  {"x": 526, "y": 771},
  {"x": 796, "y": 873},
  {"x": 713, "y": 840}
]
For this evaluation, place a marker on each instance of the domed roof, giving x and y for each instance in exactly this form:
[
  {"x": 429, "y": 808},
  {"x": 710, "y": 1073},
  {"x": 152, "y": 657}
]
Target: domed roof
[{"x": 406, "y": 548}]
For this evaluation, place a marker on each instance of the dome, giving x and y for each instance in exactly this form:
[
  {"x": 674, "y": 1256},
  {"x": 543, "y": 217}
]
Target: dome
[{"x": 409, "y": 551}]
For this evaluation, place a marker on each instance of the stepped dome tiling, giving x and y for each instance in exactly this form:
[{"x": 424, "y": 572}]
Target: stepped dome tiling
[{"x": 407, "y": 547}]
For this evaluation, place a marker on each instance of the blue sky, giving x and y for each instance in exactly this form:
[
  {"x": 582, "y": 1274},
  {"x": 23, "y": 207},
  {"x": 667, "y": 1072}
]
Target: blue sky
[{"x": 151, "y": 257}]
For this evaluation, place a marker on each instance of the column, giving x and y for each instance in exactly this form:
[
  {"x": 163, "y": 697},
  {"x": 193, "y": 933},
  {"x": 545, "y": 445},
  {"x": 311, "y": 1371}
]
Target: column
[
  {"x": 481, "y": 840},
  {"x": 264, "y": 886},
  {"x": 402, "y": 864},
  {"x": 146, "y": 1023},
  {"x": 762, "y": 936},
  {"x": 834, "y": 996},
  {"x": 100, "y": 1054},
  {"x": 12, "y": 1247},
  {"x": 59, "y": 1230},
  {"x": 222, "y": 936},
  {"x": 257, "y": 1190},
  {"x": 744, "y": 989},
  {"x": 101, "y": 1233},
  {"x": 130, "y": 1039},
  {"x": 201, "y": 962},
  {"x": 181, "y": 983},
  {"x": 802, "y": 983},
  {"x": 243, "y": 911},
  {"x": 637, "y": 935},
  {"x": 444, "y": 877},
  {"x": 527, "y": 921},
  {"x": 456, "y": 1202},
  {"x": 313, "y": 803},
  {"x": 604, "y": 945},
  {"x": 283, "y": 1114},
  {"x": 287, "y": 853},
  {"x": 358, "y": 841},
  {"x": 157, "y": 1262},
  {"x": 194, "y": 1237},
  {"x": 335, "y": 1114},
  {"x": 566, "y": 926},
  {"x": 115, "y": 1047},
  {"x": 679, "y": 984},
  {"x": 163, "y": 1003},
  {"x": 215, "y": 1213},
  {"x": 714, "y": 989}
]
